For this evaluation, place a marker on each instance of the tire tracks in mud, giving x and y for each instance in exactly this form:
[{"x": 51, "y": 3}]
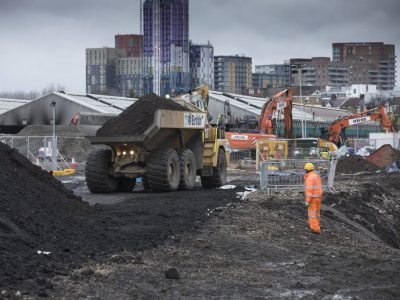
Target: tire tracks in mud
[{"x": 354, "y": 224}]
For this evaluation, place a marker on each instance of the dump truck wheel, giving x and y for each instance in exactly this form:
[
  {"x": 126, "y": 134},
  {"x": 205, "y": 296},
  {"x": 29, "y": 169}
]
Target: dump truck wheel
[
  {"x": 126, "y": 185},
  {"x": 98, "y": 179},
  {"x": 188, "y": 170},
  {"x": 144, "y": 183},
  {"x": 219, "y": 173},
  {"x": 163, "y": 170}
]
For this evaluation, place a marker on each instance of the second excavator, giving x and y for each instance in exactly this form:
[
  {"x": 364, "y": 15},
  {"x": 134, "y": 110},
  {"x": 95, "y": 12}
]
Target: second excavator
[{"x": 336, "y": 133}]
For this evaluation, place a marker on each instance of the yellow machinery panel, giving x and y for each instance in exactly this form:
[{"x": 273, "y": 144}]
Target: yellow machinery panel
[{"x": 273, "y": 149}]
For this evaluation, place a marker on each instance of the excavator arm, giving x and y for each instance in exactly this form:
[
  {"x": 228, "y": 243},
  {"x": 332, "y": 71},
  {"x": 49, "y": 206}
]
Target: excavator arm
[
  {"x": 280, "y": 101},
  {"x": 337, "y": 131},
  {"x": 198, "y": 97}
]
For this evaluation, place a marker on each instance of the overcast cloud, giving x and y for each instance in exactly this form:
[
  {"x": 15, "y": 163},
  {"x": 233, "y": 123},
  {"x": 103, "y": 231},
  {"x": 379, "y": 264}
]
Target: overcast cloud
[{"x": 44, "y": 41}]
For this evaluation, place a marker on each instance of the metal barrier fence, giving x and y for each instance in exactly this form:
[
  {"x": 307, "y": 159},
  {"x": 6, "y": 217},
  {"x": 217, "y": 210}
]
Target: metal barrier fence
[
  {"x": 242, "y": 159},
  {"x": 238, "y": 155},
  {"x": 289, "y": 174},
  {"x": 38, "y": 149}
]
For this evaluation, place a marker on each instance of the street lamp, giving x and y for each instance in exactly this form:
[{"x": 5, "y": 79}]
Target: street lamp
[
  {"x": 303, "y": 119},
  {"x": 54, "y": 140}
]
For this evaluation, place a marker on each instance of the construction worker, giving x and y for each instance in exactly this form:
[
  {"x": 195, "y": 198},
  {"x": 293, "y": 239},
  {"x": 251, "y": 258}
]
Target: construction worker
[{"x": 313, "y": 193}]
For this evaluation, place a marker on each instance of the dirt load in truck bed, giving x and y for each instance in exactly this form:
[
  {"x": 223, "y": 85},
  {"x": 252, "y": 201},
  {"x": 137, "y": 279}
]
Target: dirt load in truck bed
[{"x": 137, "y": 117}]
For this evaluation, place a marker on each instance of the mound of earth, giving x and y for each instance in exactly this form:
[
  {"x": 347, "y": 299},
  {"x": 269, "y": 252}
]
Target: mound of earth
[
  {"x": 354, "y": 164},
  {"x": 373, "y": 201},
  {"x": 38, "y": 214},
  {"x": 47, "y": 130},
  {"x": 384, "y": 156},
  {"x": 137, "y": 117}
]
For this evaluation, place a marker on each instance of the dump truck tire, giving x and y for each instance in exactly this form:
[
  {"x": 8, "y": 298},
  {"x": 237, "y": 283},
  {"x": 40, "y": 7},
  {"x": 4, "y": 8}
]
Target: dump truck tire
[
  {"x": 144, "y": 183},
  {"x": 126, "y": 185},
  {"x": 219, "y": 173},
  {"x": 98, "y": 179},
  {"x": 163, "y": 170},
  {"x": 188, "y": 170}
]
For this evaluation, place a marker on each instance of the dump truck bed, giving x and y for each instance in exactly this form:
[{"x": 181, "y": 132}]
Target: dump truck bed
[{"x": 163, "y": 119}]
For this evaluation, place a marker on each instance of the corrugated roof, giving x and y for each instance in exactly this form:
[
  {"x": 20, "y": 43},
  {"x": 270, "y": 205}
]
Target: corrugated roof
[
  {"x": 236, "y": 103},
  {"x": 100, "y": 103},
  {"x": 307, "y": 112},
  {"x": 10, "y": 104}
]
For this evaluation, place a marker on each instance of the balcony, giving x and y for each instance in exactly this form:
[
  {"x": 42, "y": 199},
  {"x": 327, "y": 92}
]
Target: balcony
[{"x": 341, "y": 74}]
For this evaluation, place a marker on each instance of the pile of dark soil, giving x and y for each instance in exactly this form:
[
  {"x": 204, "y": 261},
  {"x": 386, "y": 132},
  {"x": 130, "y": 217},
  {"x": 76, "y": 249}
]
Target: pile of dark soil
[
  {"x": 38, "y": 214},
  {"x": 137, "y": 117},
  {"x": 384, "y": 156},
  {"x": 354, "y": 164},
  {"x": 371, "y": 200}
]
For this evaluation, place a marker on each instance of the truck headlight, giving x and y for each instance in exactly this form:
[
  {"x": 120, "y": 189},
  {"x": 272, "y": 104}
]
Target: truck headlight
[{"x": 124, "y": 153}]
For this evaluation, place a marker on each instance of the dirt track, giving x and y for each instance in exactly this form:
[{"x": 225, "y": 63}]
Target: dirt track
[
  {"x": 260, "y": 247},
  {"x": 223, "y": 247}
]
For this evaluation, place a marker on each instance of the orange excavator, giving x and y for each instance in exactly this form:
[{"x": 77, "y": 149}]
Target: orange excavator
[
  {"x": 337, "y": 130},
  {"x": 283, "y": 100},
  {"x": 280, "y": 101}
]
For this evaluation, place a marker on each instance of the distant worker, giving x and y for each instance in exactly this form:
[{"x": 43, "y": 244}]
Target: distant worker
[{"x": 313, "y": 193}]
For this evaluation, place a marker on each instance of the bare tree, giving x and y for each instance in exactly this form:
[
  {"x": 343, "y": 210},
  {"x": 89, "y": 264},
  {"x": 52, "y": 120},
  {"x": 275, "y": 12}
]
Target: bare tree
[{"x": 33, "y": 94}]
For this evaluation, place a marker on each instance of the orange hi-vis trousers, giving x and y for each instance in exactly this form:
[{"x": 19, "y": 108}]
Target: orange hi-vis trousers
[{"x": 314, "y": 208}]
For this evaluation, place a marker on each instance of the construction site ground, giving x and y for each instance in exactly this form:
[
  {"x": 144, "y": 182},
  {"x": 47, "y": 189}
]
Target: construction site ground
[
  {"x": 209, "y": 243},
  {"x": 260, "y": 247}
]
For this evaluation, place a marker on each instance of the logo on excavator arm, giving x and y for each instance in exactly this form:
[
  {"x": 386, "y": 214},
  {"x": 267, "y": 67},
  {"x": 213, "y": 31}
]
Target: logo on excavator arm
[{"x": 359, "y": 120}]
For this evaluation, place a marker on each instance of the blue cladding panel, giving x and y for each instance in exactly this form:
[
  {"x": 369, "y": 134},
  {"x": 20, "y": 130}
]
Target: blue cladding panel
[{"x": 174, "y": 30}]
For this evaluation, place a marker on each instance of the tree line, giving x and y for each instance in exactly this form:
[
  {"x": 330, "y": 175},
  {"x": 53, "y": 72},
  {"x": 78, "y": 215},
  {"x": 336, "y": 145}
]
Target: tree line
[{"x": 32, "y": 94}]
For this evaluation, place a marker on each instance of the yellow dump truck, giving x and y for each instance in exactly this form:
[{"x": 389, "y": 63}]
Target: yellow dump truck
[{"x": 176, "y": 148}]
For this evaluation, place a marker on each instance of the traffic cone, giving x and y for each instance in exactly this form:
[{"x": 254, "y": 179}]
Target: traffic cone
[{"x": 74, "y": 165}]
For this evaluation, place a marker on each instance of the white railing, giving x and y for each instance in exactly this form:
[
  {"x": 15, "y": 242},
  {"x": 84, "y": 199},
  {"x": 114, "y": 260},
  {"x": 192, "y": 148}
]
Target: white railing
[{"x": 38, "y": 149}]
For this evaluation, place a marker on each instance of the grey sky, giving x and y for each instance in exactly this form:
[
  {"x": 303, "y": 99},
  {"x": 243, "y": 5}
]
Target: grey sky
[{"x": 44, "y": 41}]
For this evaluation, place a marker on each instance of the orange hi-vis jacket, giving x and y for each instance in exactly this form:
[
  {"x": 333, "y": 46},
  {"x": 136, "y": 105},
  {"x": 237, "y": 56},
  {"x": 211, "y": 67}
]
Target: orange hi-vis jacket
[{"x": 313, "y": 186}]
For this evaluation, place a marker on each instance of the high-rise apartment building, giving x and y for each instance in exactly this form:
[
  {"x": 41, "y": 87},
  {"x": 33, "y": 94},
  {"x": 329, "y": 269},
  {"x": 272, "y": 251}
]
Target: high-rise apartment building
[
  {"x": 129, "y": 76},
  {"x": 201, "y": 65},
  {"x": 232, "y": 74},
  {"x": 369, "y": 63},
  {"x": 100, "y": 70},
  {"x": 319, "y": 72},
  {"x": 129, "y": 67},
  {"x": 275, "y": 69},
  {"x": 271, "y": 76},
  {"x": 131, "y": 44},
  {"x": 166, "y": 46}
]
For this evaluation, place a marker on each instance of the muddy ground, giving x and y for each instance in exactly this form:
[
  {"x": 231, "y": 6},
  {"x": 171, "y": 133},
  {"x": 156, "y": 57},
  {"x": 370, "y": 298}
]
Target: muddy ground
[
  {"x": 224, "y": 247},
  {"x": 256, "y": 248}
]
